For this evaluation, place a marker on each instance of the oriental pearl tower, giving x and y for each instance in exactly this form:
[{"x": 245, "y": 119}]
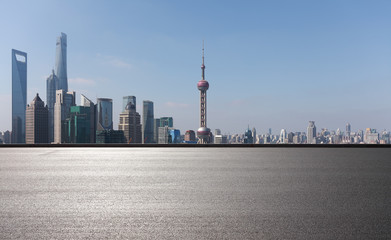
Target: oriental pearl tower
[{"x": 203, "y": 132}]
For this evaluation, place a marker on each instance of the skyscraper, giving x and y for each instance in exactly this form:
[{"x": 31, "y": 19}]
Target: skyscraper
[
  {"x": 62, "y": 107},
  {"x": 128, "y": 99},
  {"x": 77, "y": 125},
  {"x": 85, "y": 102},
  {"x": 61, "y": 62},
  {"x": 311, "y": 133},
  {"x": 283, "y": 136},
  {"x": 166, "y": 121},
  {"x": 104, "y": 111},
  {"x": 37, "y": 122},
  {"x": 148, "y": 122},
  {"x": 203, "y": 132},
  {"x": 156, "y": 125},
  {"x": 51, "y": 88},
  {"x": 19, "y": 96},
  {"x": 129, "y": 123}
]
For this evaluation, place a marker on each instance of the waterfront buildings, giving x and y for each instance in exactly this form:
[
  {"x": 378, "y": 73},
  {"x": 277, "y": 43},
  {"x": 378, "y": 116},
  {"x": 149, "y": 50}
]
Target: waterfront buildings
[
  {"x": 61, "y": 62},
  {"x": 164, "y": 135},
  {"x": 166, "y": 121},
  {"x": 371, "y": 136},
  {"x": 203, "y": 132},
  {"x": 37, "y": 122},
  {"x": 129, "y": 123},
  {"x": 85, "y": 102},
  {"x": 148, "y": 120},
  {"x": 190, "y": 136},
  {"x": 128, "y": 99},
  {"x": 51, "y": 88},
  {"x": 311, "y": 133},
  {"x": 283, "y": 136},
  {"x": 104, "y": 111},
  {"x": 248, "y": 136},
  {"x": 64, "y": 101},
  {"x": 78, "y": 125},
  {"x": 156, "y": 125},
  {"x": 19, "y": 96},
  {"x": 110, "y": 136},
  {"x": 175, "y": 136}
]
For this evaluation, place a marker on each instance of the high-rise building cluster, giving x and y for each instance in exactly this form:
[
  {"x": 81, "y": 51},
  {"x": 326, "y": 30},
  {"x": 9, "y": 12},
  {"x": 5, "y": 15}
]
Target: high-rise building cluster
[{"x": 63, "y": 121}]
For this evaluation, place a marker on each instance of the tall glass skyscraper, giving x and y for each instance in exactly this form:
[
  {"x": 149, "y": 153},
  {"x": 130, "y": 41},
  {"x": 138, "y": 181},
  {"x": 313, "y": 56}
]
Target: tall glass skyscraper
[
  {"x": 19, "y": 96},
  {"x": 126, "y": 100},
  {"x": 61, "y": 62},
  {"x": 51, "y": 88},
  {"x": 104, "y": 111},
  {"x": 148, "y": 122}
]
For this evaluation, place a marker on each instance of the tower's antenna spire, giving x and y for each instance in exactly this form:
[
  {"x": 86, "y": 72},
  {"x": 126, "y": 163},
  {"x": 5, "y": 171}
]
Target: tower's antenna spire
[{"x": 203, "y": 65}]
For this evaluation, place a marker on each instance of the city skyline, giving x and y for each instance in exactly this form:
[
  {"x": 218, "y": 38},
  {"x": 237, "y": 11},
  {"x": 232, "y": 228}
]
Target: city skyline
[{"x": 267, "y": 71}]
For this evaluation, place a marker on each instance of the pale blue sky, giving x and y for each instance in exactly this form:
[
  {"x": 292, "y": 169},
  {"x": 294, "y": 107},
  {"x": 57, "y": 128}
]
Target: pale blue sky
[{"x": 274, "y": 64}]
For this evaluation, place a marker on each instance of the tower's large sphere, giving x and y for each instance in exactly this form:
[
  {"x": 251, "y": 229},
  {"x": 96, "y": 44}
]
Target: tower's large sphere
[
  {"x": 203, "y": 132},
  {"x": 203, "y": 85}
]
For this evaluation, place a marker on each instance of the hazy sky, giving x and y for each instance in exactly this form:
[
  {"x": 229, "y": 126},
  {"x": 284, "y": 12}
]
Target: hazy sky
[{"x": 270, "y": 64}]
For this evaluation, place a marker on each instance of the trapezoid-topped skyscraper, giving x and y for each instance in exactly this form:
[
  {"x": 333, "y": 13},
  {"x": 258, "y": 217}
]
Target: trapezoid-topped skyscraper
[
  {"x": 203, "y": 132},
  {"x": 61, "y": 62},
  {"x": 19, "y": 96}
]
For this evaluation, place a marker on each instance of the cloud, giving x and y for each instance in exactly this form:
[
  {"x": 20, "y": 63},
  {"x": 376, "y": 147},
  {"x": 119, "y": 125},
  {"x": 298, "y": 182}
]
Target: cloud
[
  {"x": 176, "y": 105},
  {"x": 81, "y": 81},
  {"x": 114, "y": 62}
]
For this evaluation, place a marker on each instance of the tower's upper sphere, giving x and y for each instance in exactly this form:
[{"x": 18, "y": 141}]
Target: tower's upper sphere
[{"x": 203, "y": 85}]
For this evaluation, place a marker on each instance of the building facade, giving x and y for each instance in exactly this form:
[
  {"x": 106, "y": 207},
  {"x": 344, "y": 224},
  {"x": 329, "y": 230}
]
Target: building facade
[
  {"x": 61, "y": 62},
  {"x": 104, "y": 114},
  {"x": 128, "y": 99},
  {"x": 51, "y": 88},
  {"x": 156, "y": 125},
  {"x": 129, "y": 123},
  {"x": 85, "y": 102},
  {"x": 77, "y": 125},
  {"x": 19, "y": 96},
  {"x": 166, "y": 121},
  {"x": 110, "y": 136},
  {"x": 37, "y": 122},
  {"x": 148, "y": 118},
  {"x": 311, "y": 133},
  {"x": 62, "y": 107}
]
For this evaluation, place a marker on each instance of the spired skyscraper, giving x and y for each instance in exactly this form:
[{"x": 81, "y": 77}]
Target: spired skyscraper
[
  {"x": 61, "y": 62},
  {"x": 19, "y": 96},
  {"x": 57, "y": 80},
  {"x": 203, "y": 132},
  {"x": 148, "y": 119}
]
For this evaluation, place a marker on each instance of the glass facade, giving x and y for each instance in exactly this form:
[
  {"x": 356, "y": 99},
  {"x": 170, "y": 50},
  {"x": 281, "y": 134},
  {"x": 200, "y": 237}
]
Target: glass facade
[
  {"x": 78, "y": 125},
  {"x": 61, "y": 62},
  {"x": 126, "y": 100},
  {"x": 147, "y": 126},
  {"x": 51, "y": 88},
  {"x": 104, "y": 111},
  {"x": 166, "y": 121},
  {"x": 19, "y": 96},
  {"x": 110, "y": 136}
]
